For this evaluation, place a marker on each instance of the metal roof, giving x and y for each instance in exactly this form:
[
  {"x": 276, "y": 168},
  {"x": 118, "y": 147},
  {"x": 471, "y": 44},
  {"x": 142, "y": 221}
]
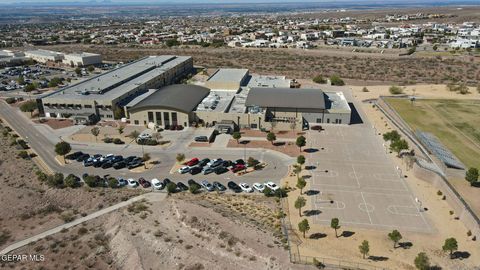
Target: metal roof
[
  {"x": 178, "y": 97},
  {"x": 439, "y": 150},
  {"x": 298, "y": 98}
]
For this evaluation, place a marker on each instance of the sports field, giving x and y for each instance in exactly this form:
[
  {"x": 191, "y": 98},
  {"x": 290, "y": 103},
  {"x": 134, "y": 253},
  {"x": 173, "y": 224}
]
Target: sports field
[{"x": 455, "y": 122}]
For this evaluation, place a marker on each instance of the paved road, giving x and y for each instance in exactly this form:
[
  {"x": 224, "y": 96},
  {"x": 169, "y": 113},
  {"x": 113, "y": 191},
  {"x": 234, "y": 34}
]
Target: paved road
[
  {"x": 42, "y": 140},
  {"x": 157, "y": 196}
]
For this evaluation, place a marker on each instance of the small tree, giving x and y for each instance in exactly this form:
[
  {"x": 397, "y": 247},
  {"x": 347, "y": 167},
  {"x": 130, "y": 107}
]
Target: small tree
[
  {"x": 55, "y": 180},
  {"x": 134, "y": 135},
  {"x": 21, "y": 80},
  {"x": 29, "y": 106},
  {"x": 472, "y": 175},
  {"x": 267, "y": 191},
  {"x": 365, "y": 89},
  {"x": 335, "y": 224},
  {"x": 71, "y": 181},
  {"x": 399, "y": 145},
  {"x": 319, "y": 79},
  {"x": 364, "y": 248},
  {"x": 95, "y": 132},
  {"x": 271, "y": 137},
  {"x": 395, "y": 90},
  {"x": 120, "y": 130},
  {"x": 422, "y": 262},
  {"x": 297, "y": 169},
  {"x": 171, "y": 188},
  {"x": 236, "y": 136},
  {"x": 112, "y": 182},
  {"x": 450, "y": 245},
  {"x": 78, "y": 71},
  {"x": 395, "y": 236},
  {"x": 336, "y": 80},
  {"x": 180, "y": 157},
  {"x": 304, "y": 227},
  {"x": 301, "y": 183},
  {"x": 62, "y": 148},
  {"x": 299, "y": 203},
  {"x": 194, "y": 189},
  {"x": 252, "y": 162},
  {"x": 301, "y": 160},
  {"x": 91, "y": 69},
  {"x": 301, "y": 142},
  {"x": 90, "y": 180},
  {"x": 391, "y": 136}
]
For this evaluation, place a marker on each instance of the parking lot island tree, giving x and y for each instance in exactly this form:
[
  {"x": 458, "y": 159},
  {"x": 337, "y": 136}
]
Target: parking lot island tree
[
  {"x": 364, "y": 248},
  {"x": 271, "y": 137},
  {"x": 95, "y": 132},
  {"x": 422, "y": 262},
  {"x": 301, "y": 160},
  {"x": 297, "y": 169},
  {"x": 171, "y": 188},
  {"x": 395, "y": 236},
  {"x": 237, "y": 136},
  {"x": 62, "y": 148},
  {"x": 450, "y": 245},
  {"x": 72, "y": 181},
  {"x": 120, "y": 130},
  {"x": 301, "y": 183},
  {"x": 134, "y": 135},
  {"x": 180, "y": 157},
  {"x": 29, "y": 106},
  {"x": 304, "y": 227},
  {"x": 335, "y": 224},
  {"x": 301, "y": 142},
  {"x": 299, "y": 204}
]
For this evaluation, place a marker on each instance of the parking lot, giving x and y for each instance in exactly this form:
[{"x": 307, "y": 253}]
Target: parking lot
[{"x": 354, "y": 180}]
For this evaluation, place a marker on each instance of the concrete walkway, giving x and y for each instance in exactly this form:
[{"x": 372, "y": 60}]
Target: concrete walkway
[{"x": 157, "y": 196}]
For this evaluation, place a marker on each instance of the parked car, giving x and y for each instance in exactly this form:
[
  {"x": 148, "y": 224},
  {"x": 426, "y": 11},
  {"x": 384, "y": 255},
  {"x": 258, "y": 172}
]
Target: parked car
[
  {"x": 73, "y": 156},
  {"x": 88, "y": 162},
  {"x": 119, "y": 165},
  {"x": 181, "y": 186},
  {"x": 220, "y": 170},
  {"x": 203, "y": 162},
  {"x": 166, "y": 181},
  {"x": 192, "y": 162},
  {"x": 83, "y": 157},
  {"x": 239, "y": 162},
  {"x": 116, "y": 159},
  {"x": 135, "y": 165},
  {"x": 97, "y": 163},
  {"x": 106, "y": 157},
  {"x": 227, "y": 163},
  {"x": 233, "y": 186},
  {"x": 237, "y": 168},
  {"x": 122, "y": 182},
  {"x": 144, "y": 183},
  {"x": 157, "y": 184},
  {"x": 206, "y": 185},
  {"x": 201, "y": 139},
  {"x": 132, "y": 183},
  {"x": 195, "y": 170},
  {"x": 219, "y": 186},
  {"x": 129, "y": 159},
  {"x": 107, "y": 164},
  {"x": 272, "y": 186},
  {"x": 245, "y": 187},
  {"x": 207, "y": 170},
  {"x": 184, "y": 169},
  {"x": 259, "y": 187},
  {"x": 215, "y": 163}
]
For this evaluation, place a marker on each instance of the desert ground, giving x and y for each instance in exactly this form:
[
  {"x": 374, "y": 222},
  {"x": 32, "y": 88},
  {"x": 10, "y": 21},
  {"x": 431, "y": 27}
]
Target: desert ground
[
  {"x": 358, "y": 67},
  {"x": 30, "y": 206}
]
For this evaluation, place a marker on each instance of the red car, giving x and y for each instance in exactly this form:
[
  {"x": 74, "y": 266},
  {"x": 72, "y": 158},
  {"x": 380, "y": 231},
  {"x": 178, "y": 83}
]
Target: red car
[
  {"x": 238, "y": 168},
  {"x": 192, "y": 162},
  {"x": 144, "y": 183}
]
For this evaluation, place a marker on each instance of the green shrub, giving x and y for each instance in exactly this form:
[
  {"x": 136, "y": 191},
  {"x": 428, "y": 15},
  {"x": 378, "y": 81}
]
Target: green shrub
[
  {"x": 118, "y": 141},
  {"x": 23, "y": 154},
  {"x": 336, "y": 80},
  {"x": 10, "y": 100},
  {"x": 395, "y": 90},
  {"x": 108, "y": 140},
  {"x": 319, "y": 79}
]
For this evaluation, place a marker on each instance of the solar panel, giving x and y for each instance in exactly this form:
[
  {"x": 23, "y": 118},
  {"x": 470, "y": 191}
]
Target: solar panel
[{"x": 439, "y": 150}]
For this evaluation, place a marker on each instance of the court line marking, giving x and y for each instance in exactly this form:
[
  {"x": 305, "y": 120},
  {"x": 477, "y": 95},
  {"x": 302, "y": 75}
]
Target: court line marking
[
  {"x": 423, "y": 229},
  {"x": 339, "y": 205},
  {"x": 369, "y": 218},
  {"x": 355, "y": 174},
  {"x": 396, "y": 212}
]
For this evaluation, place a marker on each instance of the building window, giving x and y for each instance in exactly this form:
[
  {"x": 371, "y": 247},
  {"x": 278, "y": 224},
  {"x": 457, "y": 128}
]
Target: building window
[
  {"x": 158, "y": 117},
  {"x": 136, "y": 122},
  {"x": 339, "y": 121},
  {"x": 319, "y": 120},
  {"x": 166, "y": 118},
  {"x": 174, "y": 118},
  {"x": 150, "y": 117},
  {"x": 328, "y": 120},
  {"x": 88, "y": 106}
]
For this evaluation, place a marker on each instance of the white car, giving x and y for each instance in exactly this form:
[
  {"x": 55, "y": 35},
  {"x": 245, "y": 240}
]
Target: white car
[
  {"x": 259, "y": 187},
  {"x": 183, "y": 170},
  {"x": 144, "y": 136},
  {"x": 106, "y": 157},
  {"x": 132, "y": 183},
  {"x": 272, "y": 186},
  {"x": 245, "y": 187},
  {"x": 157, "y": 184}
]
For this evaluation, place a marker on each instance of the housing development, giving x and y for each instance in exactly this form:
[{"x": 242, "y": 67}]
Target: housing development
[{"x": 239, "y": 136}]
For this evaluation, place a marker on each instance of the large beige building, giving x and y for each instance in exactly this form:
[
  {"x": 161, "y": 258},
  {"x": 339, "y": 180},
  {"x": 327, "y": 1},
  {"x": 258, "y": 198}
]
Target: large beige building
[
  {"x": 44, "y": 56},
  {"x": 227, "y": 79},
  {"x": 82, "y": 59},
  {"x": 105, "y": 94}
]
